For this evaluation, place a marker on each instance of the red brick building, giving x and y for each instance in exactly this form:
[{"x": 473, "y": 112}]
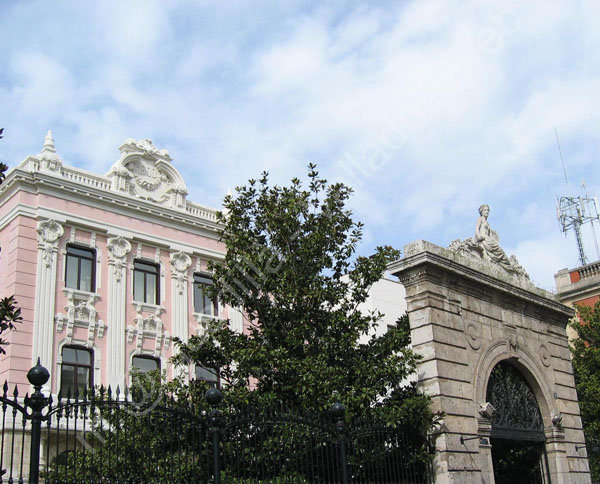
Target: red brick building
[{"x": 578, "y": 286}]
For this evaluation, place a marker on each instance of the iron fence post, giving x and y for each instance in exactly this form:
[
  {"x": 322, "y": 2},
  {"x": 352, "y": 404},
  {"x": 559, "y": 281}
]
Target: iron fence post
[
  {"x": 339, "y": 412},
  {"x": 37, "y": 376},
  {"x": 214, "y": 397}
]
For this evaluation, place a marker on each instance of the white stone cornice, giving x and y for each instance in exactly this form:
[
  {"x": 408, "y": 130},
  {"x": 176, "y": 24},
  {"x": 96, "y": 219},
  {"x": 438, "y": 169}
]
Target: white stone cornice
[
  {"x": 103, "y": 227},
  {"x": 84, "y": 187}
]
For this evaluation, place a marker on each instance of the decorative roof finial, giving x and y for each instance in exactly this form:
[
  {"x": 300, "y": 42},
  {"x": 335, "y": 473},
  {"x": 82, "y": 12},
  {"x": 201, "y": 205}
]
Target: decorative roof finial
[{"x": 49, "y": 143}]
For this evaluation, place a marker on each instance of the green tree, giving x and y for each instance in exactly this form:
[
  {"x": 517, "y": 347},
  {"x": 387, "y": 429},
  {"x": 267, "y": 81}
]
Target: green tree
[
  {"x": 290, "y": 266},
  {"x": 9, "y": 312},
  {"x": 586, "y": 365}
]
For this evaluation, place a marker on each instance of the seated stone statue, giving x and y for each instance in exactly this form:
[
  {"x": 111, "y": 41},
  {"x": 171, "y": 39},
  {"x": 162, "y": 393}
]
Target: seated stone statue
[
  {"x": 488, "y": 240},
  {"x": 486, "y": 245}
]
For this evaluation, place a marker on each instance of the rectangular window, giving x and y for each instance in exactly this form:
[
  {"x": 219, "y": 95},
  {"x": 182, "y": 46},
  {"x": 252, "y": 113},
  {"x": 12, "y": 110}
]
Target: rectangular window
[
  {"x": 76, "y": 370},
  {"x": 202, "y": 303},
  {"x": 80, "y": 270},
  {"x": 209, "y": 375},
  {"x": 145, "y": 282},
  {"x": 141, "y": 365},
  {"x": 145, "y": 364}
]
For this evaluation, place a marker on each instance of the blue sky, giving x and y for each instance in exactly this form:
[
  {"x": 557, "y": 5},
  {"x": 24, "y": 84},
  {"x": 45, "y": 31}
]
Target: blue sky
[{"x": 428, "y": 109}]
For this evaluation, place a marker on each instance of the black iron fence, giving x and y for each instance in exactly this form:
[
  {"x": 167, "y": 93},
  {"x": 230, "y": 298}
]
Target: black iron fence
[{"x": 105, "y": 437}]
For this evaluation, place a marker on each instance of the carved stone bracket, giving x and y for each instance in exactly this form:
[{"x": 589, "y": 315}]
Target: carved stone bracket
[
  {"x": 487, "y": 410},
  {"x": 49, "y": 231},
  {"x": 180, "y": 262},
  {"x": 118, "y": 248}
]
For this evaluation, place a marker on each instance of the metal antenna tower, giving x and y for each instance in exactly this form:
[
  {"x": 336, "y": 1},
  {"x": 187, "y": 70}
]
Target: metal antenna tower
[{"x": 572, "y": 213}]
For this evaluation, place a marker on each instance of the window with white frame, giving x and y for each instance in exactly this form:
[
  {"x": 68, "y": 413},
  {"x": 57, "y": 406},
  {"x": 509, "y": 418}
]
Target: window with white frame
[
  {"x": 145, "y": 364},
  {"x": 203, "y": 304},
  {"x": 76, "y": 373},
  {"x": 146, "y": 286},
  {"x": 208, "y": 375},
  {"x": 80, "y": 268}
]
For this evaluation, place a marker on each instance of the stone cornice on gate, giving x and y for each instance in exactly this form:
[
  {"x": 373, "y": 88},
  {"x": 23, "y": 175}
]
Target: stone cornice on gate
[{"x": 424, "y": 261}]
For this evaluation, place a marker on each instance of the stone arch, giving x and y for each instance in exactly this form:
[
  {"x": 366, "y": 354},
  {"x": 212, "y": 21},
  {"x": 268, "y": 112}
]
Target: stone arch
[{"x": 526, "y": 364}]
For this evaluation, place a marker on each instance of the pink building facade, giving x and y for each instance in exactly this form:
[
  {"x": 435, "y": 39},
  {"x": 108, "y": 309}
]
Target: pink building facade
[{"x": 107, "y": 270}]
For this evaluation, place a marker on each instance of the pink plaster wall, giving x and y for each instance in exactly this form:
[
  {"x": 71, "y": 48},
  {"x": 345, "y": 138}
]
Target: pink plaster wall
[{"x": 18, "y": 261}]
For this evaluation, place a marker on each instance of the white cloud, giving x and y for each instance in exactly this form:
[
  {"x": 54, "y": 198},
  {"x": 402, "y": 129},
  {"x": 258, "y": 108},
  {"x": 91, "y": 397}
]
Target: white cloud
[
  {"x": 43, "y": 84},
  {"x": 427, "y": 108}
]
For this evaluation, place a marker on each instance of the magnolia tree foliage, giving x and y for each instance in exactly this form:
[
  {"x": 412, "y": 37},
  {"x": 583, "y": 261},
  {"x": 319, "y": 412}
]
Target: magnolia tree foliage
[
  {"x": 290, "y": 266},
  {"x": 586, "y": 365}
]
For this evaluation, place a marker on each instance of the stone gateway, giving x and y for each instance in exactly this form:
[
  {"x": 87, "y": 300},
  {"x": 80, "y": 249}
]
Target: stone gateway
[{"x": 496, "y": 361}]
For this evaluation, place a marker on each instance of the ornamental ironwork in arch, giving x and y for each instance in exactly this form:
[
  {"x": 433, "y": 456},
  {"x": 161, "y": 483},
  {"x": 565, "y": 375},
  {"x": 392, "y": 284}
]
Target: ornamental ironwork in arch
[{"x": 517, "y": 414}]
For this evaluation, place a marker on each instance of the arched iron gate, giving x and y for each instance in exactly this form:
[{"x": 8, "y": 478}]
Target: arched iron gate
[{"x": 518, "y": 440}]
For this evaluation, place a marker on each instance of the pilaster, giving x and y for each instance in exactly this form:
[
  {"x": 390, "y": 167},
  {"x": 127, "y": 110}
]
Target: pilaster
[
  {"x": 118, "y": 248},
  {"x": 49, "y": 232},
  {"x": 180, "y": 263}
]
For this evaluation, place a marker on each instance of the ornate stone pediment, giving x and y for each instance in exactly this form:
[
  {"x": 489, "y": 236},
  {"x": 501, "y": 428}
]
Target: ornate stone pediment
[
  {"x": 207, "y": 325},
  {"x": 150, "y": 326},
  {"x": 146, "y": 148},
  {"x": 146, "y": 172},
  {"x": 81, "y": 312}
]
